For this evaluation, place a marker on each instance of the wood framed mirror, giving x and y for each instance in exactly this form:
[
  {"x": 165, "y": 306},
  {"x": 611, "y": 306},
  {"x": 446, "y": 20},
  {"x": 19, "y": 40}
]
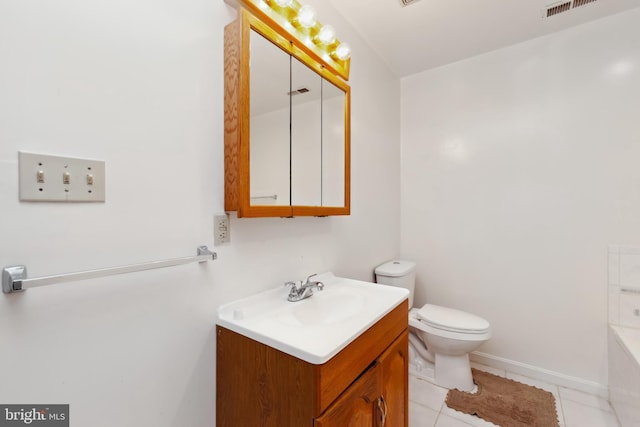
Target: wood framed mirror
[{"x": 287, "y": 132}]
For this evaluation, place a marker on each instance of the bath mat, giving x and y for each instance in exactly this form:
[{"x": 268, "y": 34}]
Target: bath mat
[{"x": 505, "y": 402}]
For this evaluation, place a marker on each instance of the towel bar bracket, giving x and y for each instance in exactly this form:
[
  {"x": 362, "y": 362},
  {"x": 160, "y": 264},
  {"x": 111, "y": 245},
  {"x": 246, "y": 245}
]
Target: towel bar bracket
[
  {"x": 204, "y": 251},
  {"x": 14, "y": 278}
]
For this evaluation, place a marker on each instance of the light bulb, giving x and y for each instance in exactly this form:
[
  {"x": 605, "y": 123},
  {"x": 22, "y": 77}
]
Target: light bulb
[
  {"x": 327, "y": 35},
  {"x": 284, "y": 3},
  {"x": 343, "y": 51},
  {"x": 307, "y": 16}
]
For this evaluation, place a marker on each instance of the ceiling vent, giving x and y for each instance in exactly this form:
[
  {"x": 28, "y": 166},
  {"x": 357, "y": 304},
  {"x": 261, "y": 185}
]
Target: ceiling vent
[
  {"x": 564, "y": 6},
  {"x": 298, "y": 91},
  {"x": 407, "y": 2},
  {"x": 557, "y": 8},
  {"x": 578, "y": 3}
]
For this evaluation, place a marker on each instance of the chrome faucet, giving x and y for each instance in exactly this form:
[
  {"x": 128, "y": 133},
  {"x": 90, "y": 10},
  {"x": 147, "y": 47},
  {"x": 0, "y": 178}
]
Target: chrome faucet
[{"x": 305, "y": 290}]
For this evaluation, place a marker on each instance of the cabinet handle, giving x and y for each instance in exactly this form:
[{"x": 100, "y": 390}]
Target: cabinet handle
[{"x": 382, "y": 407}]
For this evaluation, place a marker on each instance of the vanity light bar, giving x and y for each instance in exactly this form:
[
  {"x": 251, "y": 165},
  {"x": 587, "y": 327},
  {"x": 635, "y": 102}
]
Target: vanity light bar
[
  {"x": 299, "y": 22},
  {"x": 304, "y": 19}
]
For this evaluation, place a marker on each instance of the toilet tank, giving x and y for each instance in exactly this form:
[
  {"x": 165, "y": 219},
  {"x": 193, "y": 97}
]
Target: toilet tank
[{"x": 398, "y": 273}]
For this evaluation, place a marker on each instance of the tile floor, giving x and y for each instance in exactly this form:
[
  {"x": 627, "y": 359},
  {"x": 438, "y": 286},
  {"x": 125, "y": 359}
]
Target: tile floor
[{"x": 575, "y": 408}]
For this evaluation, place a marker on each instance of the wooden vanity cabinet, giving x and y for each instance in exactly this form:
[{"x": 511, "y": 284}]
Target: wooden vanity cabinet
[
  {"x": 378, "y": 397},
  {"x": 394, "y": 364},
  {"x": 364, "y": 385},
  {"x": 359, "y": 405}
]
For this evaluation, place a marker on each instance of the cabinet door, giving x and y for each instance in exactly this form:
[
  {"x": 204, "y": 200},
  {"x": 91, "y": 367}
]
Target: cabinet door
[
  {"x": 357, "y": 406},
  {"x": 269, "y": 123},
  {"x": 394, "y": 366}
]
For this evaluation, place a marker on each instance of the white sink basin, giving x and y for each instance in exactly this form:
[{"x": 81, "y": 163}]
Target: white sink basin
[{"x": 317, "y": 328}]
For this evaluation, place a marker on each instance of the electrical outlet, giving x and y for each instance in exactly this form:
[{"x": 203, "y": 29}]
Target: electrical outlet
[
  {"x": 221, "y": 229},
  {"x": 45, "y": 178}
]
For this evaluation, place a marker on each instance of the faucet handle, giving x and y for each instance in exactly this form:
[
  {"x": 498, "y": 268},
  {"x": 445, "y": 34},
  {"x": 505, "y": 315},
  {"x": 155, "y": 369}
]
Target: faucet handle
[
  {"x": 314, "y": 274},
  {"x": 293, "y": 285},
  {"x": 294, "y": 288},
  {"x": 294, "y": 292}
]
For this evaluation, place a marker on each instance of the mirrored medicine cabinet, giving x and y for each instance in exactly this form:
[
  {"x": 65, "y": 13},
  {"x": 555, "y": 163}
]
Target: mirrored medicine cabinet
[{"x": 287, "y": 133}]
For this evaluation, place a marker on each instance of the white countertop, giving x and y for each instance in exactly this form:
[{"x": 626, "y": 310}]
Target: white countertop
[{"x": 317, "y": 328}]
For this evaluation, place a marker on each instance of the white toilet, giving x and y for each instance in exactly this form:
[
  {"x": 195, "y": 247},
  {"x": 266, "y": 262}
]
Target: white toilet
[{"x": 437, "y": 334}]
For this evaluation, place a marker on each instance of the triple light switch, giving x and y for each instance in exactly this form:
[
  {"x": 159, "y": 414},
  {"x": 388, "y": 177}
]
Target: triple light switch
[{"x": 45, "y": 178}]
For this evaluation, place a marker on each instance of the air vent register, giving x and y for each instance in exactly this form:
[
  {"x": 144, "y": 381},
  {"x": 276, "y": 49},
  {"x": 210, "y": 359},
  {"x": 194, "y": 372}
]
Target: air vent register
[{"x": 565, "y": 6}]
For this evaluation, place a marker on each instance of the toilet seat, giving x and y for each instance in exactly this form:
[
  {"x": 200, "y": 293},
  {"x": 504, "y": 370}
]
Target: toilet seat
[{"x": 451, "y": 320}]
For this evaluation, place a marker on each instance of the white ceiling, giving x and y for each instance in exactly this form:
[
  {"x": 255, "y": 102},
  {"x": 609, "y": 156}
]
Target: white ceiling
[{"x": 430, "y": 33}]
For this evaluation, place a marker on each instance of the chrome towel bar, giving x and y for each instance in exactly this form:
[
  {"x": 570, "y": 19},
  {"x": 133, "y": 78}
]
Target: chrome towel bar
[
  {"x": 14, "y": 278},
  {"x": 271, "y": 196}
]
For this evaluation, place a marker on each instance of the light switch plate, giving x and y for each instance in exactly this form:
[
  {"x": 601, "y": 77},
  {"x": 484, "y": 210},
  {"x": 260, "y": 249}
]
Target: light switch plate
[{"x": 46, "y": 178}]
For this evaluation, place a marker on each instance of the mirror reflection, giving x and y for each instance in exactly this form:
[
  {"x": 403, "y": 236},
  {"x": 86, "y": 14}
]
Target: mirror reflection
[
  {"x": 333, "y": 145},
  {"x": 306, "y": 135},
  {"x": 297, "y": 131},
  {"x": 269, "y": 123}
]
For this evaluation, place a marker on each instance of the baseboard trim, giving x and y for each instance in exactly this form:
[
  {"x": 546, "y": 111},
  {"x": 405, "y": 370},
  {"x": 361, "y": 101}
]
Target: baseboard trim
[{"x": 541, "y": 374}]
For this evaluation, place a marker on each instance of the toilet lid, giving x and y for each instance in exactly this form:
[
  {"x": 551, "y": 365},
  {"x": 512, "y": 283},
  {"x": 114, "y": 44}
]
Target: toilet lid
[{"x": 449, "y": 319}]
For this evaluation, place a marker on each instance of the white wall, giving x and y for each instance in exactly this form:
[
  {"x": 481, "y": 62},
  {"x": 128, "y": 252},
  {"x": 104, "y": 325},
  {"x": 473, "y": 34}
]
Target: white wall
[
  {"x": 317, "y": 157},
  {"x": 519, "y": 168},
  {"x": 270, "y": 158},
  {"x": 139, "y": 84}
]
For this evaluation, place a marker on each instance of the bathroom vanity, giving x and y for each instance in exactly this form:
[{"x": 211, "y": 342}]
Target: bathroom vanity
[{"x": 363, "y": 384}]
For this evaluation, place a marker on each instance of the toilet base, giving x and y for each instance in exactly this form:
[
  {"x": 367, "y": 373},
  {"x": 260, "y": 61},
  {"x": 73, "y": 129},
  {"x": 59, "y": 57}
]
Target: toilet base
[
  {"x": 445, "y": 370},
  {"x": 454, "y": 372},
  {"x": 420, "y": 367}
]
